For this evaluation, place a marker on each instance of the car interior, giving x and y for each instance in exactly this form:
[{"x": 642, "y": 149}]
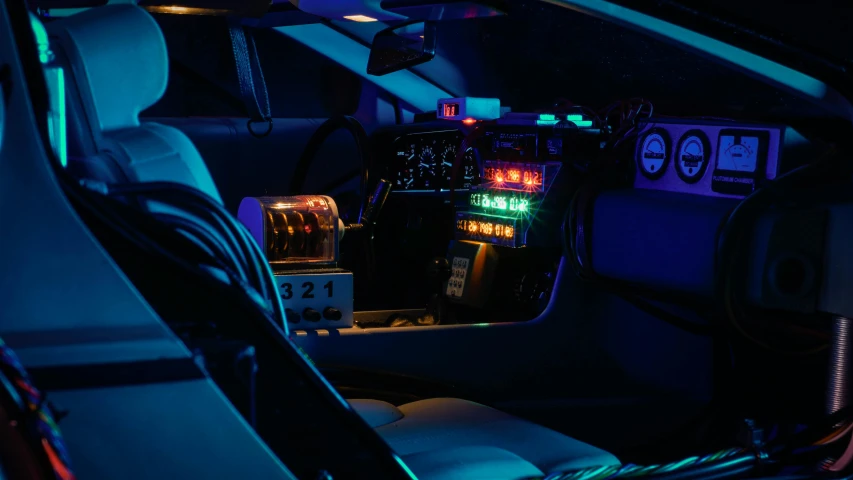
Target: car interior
[{"x": 330, "y": 239}]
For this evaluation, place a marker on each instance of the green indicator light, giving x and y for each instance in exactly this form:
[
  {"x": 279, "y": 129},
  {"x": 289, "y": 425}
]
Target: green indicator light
[
  {"x": 547, "y": 117},
  {"x": 574, "y": 118},
  {"x": 583, "y": 123}
]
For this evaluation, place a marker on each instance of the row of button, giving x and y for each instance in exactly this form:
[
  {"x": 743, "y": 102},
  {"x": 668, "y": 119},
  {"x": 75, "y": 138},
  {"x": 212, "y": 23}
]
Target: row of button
[{"x": 311, "y": 315}]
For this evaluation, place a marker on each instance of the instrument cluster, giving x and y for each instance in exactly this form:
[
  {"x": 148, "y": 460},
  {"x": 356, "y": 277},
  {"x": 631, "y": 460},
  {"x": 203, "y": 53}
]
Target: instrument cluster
[
  {"x": 718, "y": 160},
  {"x": 423, "y": 162}
]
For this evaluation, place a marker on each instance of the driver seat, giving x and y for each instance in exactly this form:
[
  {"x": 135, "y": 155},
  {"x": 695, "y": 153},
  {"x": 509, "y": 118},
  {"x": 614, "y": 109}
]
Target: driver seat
[{"x": 439, "y": 438}]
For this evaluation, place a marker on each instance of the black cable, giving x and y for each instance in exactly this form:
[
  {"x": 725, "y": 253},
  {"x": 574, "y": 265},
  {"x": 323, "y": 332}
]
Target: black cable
[
  {"x": 99, "y": 207},
  {"x": 232, "y": 229},
  {"x": 205, "y": 240},
  {"x": 256, "y": 259}
]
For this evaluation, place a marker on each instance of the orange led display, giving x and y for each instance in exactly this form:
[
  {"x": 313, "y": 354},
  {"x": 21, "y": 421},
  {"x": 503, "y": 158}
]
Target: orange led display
[{"x": 513, "y": 176}]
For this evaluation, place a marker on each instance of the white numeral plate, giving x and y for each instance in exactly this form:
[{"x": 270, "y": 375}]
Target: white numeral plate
[{"x": 316, "y": 300}]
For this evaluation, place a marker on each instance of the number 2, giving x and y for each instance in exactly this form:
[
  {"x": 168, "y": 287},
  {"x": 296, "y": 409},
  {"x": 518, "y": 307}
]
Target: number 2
[{"x": 309, "y": 290}]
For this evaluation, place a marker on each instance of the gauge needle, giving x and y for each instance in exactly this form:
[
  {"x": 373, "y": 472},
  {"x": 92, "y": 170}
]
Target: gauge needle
[{"x": 422, "y": 164}]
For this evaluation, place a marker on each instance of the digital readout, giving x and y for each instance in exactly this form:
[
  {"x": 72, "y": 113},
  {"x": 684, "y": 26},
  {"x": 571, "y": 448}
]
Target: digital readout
[
  {"x": 485, "y": 228},
  {"x": 516, "y": 175},
  {"x": 500, "y": 202},
  {"x": 451, "y": 109},
  {"x": 488, "y": 228}
]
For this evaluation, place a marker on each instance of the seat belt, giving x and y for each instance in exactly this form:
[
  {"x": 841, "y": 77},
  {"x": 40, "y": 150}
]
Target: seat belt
[{"x": 253, "y": 89}]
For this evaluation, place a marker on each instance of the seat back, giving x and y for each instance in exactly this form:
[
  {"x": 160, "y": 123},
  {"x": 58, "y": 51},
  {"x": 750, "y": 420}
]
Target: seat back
[{"x": 118, "y": 65}]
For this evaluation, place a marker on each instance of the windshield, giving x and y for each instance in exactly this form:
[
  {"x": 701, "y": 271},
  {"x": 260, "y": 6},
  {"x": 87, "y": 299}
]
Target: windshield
[{"x": 541, "y": 52}]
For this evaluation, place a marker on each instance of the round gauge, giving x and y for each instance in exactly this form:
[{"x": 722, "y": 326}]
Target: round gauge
[
  {"x": 469, "y": 172},
  {"x": 447, "y": 157},
  {"x": 692, "y": 156},
  {"x": 425, "y": 167},
  {"x": 653, "y": 154}
]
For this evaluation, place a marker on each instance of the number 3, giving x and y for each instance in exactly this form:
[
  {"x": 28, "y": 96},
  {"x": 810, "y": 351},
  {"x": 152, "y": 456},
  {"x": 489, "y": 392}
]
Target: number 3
[{"x": 288, "y": 291}]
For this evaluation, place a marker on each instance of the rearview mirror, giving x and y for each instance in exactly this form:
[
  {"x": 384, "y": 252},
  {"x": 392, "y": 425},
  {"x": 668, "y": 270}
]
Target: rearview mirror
[{"x": 401, "y": 47}]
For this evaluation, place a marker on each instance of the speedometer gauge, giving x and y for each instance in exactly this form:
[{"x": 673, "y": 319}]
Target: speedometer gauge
[
  {"x": 692, "y": 156},
  {"x": 653, "y": 154}
]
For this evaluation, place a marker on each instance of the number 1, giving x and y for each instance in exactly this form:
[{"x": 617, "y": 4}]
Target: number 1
[{"x": 329, "y": 287}]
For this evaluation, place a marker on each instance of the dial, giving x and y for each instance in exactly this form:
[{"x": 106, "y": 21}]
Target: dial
[
  {"x": 738, "y": 153},
  {"x": 653, "y": 154},
  {"x": 469, "y": 172},
  {"x": 426, "y": 166},
  {"x": 692, "y": 157},
  {"x": 446, "y": 159}
]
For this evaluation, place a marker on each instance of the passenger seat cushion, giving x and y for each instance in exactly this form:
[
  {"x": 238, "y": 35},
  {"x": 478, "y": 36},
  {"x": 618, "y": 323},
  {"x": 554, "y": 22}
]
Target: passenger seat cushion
[
  {"x": 442, "y": 423},
  {"x": 376, "y": 412},
  {"x": 471, "y": 463}
]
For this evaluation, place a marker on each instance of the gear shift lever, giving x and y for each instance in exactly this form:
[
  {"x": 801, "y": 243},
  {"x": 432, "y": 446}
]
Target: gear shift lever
[{"x": 438, "y": 272}]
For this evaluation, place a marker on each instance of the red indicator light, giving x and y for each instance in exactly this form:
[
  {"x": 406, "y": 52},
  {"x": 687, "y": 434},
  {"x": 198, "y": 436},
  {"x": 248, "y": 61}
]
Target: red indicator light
[{"x": 469, "y": 121}]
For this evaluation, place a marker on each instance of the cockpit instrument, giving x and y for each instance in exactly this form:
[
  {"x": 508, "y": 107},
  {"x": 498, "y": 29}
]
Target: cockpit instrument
[
  {"x": 741, "y": 159},
  {"x": 653, "y": 154},
  {"x": 424, "y": 162},
  {"x": 299, "y": 236},
  {"x": 692, "y": 154}
]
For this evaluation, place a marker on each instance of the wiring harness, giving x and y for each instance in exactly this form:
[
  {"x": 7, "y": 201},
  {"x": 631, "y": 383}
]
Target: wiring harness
[{"x": 34, "y": 416}]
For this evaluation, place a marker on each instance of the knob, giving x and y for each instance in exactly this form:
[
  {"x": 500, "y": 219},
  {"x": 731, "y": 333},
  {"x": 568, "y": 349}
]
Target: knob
[
  {"x": 291, "y": 316},
  {"x": 311, "y": 315},
  {"x": 331, "y": 313}
]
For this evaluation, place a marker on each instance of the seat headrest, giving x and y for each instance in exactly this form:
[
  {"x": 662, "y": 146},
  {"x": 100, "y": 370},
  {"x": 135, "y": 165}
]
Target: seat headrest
[{"x": 120, "y": 51}]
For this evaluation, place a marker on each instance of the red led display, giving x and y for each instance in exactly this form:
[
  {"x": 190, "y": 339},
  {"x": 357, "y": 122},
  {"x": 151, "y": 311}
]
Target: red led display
[{"x": 451, "y": 109}]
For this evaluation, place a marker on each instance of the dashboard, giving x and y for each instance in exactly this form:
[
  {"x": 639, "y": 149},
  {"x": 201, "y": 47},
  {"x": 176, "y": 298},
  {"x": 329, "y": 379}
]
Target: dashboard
[{"x": 423, "y": 162}]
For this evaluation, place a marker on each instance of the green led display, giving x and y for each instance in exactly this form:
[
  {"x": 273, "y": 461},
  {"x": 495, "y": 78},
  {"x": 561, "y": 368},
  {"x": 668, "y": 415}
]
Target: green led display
[{"x": 501, "y": 202}]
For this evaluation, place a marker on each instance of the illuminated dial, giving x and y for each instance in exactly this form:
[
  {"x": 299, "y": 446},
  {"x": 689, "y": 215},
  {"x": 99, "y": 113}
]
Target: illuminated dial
[
  {"x": 469, "y": 172},
  {"x": 426, "y": 166},
  {"x": 653, "y": 154},
  {"x": 692, "y": 156},
  {"x": 447, "y": 157},
  {"x": 738, "y": 153}
]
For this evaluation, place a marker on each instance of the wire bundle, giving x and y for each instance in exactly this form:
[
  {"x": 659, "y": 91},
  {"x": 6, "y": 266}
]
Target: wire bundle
[
  {"x": 636, "y": 471},
  {"x": 36, "y": 413}
]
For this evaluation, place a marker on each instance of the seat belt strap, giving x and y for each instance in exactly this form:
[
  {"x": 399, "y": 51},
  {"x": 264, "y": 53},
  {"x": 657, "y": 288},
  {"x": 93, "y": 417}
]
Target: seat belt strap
[{"x": 253, "y": 88}]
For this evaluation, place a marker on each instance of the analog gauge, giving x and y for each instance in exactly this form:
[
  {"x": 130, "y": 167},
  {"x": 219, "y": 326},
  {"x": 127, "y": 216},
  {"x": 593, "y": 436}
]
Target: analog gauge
[
  {"x": 425, "y": 166},
  {"x": 653, "y": 154},
  {"x": 405, "y": 174},
  {"x": 738, "y": 153},
  {"x": 470, "y": 173},
  {"x": 692, "y": 156},
  {"x": 447, "y": 157}
]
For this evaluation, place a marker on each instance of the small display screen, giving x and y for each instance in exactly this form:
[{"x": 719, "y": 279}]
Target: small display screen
[
  {"x": 513, "y": 203},
  {"x": 738, "y": 153},
  {"x": 488, "y": 228},
  {"x": 515, "y": 174},
  {"x": 450, "y": 109}
]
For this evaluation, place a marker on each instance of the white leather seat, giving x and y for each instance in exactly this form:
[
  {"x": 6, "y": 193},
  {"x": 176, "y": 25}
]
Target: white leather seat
[
  {"x": 449, "y": 424},
  {"x": 117, "y": 56},
  {"x": 117, "y": 59}
]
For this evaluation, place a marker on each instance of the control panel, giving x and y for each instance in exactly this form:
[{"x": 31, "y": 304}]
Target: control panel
[
  {"x": 317, "y": 299},
  {"x": 712, "y": 159}
]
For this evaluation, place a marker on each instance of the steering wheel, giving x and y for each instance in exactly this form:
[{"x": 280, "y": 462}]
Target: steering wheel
[{"x": 333, "y": 124}]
